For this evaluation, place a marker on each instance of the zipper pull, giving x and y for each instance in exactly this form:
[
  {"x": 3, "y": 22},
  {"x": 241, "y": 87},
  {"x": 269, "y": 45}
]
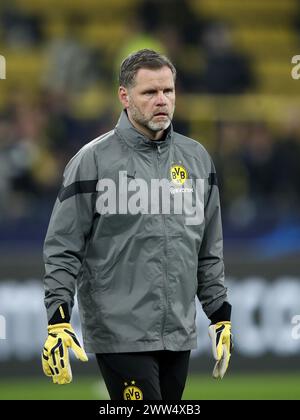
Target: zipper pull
[{"x": 158, "y": 148}]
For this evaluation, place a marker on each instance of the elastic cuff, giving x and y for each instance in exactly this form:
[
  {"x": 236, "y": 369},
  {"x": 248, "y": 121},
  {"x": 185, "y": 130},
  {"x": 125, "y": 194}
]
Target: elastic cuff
[
  {"x": 61, "y": 315},
  {"x": 53, "y": 328},
  {"x": 221, "y": 314}
]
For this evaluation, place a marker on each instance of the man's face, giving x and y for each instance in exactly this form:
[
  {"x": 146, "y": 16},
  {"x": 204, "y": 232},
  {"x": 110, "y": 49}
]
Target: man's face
[{"x": 150, "y": 102}]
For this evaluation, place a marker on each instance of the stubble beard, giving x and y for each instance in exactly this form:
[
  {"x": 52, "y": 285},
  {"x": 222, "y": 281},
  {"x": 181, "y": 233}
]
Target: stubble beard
[{"x": 141, "y": 119}]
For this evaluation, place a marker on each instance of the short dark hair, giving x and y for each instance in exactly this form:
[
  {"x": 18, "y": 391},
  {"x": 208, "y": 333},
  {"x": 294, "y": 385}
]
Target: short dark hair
[{"x": 142, "y": 59}]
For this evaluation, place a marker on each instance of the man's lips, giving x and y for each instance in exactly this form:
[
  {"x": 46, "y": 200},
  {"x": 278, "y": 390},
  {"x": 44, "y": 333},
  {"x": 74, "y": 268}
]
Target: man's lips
[{"x": 161, "y": 114}]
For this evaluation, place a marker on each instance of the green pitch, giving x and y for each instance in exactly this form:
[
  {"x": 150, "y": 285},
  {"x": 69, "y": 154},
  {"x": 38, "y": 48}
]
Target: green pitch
[{"x": 234, "y": 386}]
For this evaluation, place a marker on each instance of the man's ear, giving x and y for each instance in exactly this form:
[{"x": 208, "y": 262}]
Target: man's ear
[{"x": 123, "y": 96}]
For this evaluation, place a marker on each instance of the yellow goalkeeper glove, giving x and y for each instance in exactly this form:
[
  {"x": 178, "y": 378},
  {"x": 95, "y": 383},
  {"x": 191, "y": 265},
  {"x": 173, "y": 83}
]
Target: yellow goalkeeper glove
[
  {"x": 220, "y": 335},
  {"x": 55, "y": 356}
]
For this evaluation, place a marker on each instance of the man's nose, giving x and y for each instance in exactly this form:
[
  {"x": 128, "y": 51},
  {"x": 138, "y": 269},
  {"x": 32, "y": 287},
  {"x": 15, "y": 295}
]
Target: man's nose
[{"x": 161, "y": 99}]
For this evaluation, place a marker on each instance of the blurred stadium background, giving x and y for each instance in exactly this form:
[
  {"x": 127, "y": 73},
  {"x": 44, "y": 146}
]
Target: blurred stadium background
[{"x": 235, "y": 94}]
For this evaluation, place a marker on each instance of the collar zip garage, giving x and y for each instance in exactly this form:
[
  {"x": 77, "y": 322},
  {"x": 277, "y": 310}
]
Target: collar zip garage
[{"x": 135, "y": 139}]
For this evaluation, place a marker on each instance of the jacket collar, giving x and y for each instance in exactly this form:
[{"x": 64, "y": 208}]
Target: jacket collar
[{"x": 138, "y": 140}]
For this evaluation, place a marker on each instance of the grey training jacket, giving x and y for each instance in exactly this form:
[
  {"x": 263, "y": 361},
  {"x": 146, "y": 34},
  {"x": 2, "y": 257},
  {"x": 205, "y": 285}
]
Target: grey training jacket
[{"x": 137, "y": 272}]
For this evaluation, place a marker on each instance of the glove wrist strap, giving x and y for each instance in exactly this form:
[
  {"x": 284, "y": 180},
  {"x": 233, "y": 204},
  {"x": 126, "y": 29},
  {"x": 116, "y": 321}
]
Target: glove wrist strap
[
  {"x": 61, "y": 315},
  {"x": 60, "y": 326},
  {"x": 221, "y": 314}
]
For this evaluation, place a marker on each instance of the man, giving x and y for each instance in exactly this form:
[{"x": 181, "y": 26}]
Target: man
[{"x": 137, "y": 227}]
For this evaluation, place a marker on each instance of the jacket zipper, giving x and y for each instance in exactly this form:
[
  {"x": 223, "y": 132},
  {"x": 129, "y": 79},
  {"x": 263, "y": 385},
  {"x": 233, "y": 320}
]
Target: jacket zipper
[{"x": 165, "y": 273}]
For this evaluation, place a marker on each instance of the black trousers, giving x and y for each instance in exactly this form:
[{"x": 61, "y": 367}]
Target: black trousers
[{"x": 155, "y": 375}]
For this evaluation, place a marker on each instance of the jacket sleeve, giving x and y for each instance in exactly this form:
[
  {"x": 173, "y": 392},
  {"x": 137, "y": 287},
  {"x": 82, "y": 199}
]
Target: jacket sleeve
[
  {"x": 70, "y": 224},
  {"x": 212, "y": 292}
]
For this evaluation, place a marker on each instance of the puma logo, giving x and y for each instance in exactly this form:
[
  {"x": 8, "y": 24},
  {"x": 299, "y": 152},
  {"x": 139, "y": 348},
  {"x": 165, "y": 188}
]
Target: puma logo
[{"x": 131, "y": 176}]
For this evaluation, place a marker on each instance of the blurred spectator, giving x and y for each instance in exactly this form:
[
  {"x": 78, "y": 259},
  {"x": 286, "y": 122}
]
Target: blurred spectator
[
  {"x": 28, "y": 169},
  {"x": 69, "y": 66},
  {"x": 156, "y": 14},
  {"x": 178, "y": 28},
  {"x": 232, "y": 175},
  {"x": 225, "y": 71},
  {"x": 188, "y": 62},
  {"x": 273, "y": 170},
  {"x": 297, "y": 18},
  {"x": 20, "y": 30}
]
